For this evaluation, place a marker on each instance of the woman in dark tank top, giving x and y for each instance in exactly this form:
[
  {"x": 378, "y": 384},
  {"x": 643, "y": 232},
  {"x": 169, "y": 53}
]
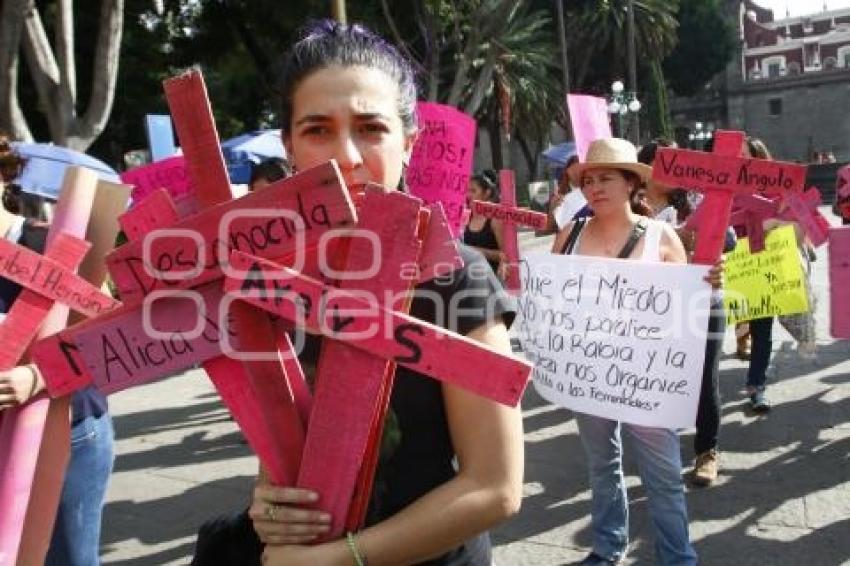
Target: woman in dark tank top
[{"x": 484, "y": 234}]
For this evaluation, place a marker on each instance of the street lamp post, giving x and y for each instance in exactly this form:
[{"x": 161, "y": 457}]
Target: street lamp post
[
  {"x": 338, "y": 8},
  {"x": 701, "y": 134},
  {"x": 620, "y": 104}
]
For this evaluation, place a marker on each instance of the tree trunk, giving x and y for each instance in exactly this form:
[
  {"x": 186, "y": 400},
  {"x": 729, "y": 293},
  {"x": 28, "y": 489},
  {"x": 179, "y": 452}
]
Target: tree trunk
[
  {"x": 105, "y": 76},
  {"x": 12, "y": 119},
  {"x": 56, "y": 82}
]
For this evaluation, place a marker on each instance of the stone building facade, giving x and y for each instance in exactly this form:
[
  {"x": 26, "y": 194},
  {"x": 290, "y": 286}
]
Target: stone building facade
[{"x": 789, "y": 84}]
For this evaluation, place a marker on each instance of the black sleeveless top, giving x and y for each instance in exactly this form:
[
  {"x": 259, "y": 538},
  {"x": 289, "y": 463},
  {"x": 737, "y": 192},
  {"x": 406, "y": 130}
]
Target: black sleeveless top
[{"x": 484, "y": 238}]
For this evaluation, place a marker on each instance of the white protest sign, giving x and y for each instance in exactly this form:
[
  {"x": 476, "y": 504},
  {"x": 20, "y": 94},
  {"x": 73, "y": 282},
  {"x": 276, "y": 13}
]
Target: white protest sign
[
  {"x": 573, "y": 202},
  {"x": 620, "y": 339}
]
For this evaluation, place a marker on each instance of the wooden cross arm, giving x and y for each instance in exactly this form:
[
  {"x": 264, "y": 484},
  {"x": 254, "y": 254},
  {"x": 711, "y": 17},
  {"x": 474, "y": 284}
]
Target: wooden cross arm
[
  {"x": 802, "y": 207},
  {"x": 729, "y": 174},
  {"x": 50, "y": 278},
  {"x": 289, "y": 215},
  {"x": 31, "y": 308},
  {"x": 127, "y": 347},
  {"x": 510, "y": 214},
  {"x": 408, "y": 341}
]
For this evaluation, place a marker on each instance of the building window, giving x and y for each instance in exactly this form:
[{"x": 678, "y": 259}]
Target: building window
[
  {"x": 843, "y": 56},
  {"x": 774, "y": 106},
  {"x": 773, "y": 66}
]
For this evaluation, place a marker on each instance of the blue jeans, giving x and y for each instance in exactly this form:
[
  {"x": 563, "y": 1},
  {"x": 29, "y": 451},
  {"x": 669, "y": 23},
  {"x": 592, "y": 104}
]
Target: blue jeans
[
  {"x": 761, "y": 333},
  {"x": 76, "y": 533},
  {"x": 660, "y": 466}
]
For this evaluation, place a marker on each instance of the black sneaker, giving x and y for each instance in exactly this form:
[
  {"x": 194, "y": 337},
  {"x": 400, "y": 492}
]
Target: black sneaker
[
  {"x": 594, "y": 559},
  {"x": 759, "y": 403}
]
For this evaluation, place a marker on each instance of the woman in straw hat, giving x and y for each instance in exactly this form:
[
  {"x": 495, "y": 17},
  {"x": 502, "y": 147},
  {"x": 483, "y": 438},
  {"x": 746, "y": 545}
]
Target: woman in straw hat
[{"x": 609, "y": 177}]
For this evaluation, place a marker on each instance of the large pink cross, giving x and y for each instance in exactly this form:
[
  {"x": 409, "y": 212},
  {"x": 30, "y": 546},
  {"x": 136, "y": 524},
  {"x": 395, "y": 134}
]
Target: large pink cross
[
  {"x": 34, "y": 438},
  {"x": 512, "y": 216},
  {"x": 353, "y": 385},
  {"x": 116, "y": 352},
  {"x": 720, "y": 176}
]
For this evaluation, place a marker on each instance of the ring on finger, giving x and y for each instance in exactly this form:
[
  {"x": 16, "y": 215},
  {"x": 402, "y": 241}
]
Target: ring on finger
[{"x": 271, "y": 512}]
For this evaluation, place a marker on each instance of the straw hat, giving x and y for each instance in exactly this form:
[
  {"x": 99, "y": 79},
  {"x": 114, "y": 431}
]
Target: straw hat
[{"x": 611, "y": 153}]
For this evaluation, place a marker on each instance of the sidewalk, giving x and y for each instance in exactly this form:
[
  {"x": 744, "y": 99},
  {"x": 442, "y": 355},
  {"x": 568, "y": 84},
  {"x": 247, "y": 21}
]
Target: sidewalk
[{"x": 783, "y": 497}]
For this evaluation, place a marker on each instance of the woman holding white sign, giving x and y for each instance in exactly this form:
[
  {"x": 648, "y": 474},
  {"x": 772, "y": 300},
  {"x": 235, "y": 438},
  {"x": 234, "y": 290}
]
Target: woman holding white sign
[{"x": 608, "y": 177}]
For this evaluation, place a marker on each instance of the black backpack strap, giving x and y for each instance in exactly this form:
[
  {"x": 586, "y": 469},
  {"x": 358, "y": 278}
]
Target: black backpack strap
[
  {"x": 578, "y": 226},
  {"x": 638, "y": 231}
]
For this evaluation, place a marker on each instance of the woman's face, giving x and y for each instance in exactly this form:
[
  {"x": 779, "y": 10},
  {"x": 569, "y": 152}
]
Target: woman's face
[
  {"x": 605, "y": 189},
  {"x": 475, "y": 192},
  {"x": 349, "y": 114}
]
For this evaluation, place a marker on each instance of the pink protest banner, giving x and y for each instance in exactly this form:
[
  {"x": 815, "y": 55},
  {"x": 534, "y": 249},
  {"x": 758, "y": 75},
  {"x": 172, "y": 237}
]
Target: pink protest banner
[
  {"x": 35, "y": 437},
  {"x": 589, "y": 118},
  {"x": 839, "y": 282},
  {"x": 169, "y": 174},
  {"x": 441, "y": 163}
]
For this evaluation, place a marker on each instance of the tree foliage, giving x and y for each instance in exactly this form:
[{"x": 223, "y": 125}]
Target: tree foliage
[
  {"x": 705, "y": 45},
  {"x": 596, "y": 31}
]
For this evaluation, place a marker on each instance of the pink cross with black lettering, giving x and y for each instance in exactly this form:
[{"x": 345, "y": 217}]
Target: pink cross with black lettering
[
  {"x": 166, "y": 278},
  {"x": 720, "y": 176},
  {"x": 31, "y": 440},
  {"x": 267, "y": 409}
]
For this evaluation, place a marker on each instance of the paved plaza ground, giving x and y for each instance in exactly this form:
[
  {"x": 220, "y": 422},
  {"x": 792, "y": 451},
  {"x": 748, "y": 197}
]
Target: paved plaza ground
[{"x": 783, "y": 497}]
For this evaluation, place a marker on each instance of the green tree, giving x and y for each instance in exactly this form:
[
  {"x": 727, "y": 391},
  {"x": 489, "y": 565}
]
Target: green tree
[
  {"x": 596, "y": 31},
  {"x": 490, "y": 58},
  {"x": 706, "y": 45},
  {"x": 657, "y": 108}
]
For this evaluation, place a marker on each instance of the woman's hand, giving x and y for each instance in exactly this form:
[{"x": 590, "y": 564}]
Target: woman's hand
[
  {"x": 280, "y": 518},
  {"x": 714, "y": 277},
  {"x": 17, "y": 386}
]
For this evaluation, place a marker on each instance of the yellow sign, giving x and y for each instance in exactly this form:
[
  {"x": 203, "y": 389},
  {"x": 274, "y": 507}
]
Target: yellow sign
[{"x": 765, "y": 284}]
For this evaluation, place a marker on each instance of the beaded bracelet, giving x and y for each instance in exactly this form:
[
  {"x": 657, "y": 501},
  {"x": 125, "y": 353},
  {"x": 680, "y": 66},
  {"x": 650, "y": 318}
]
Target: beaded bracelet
[{"x": 359, "y": 559}]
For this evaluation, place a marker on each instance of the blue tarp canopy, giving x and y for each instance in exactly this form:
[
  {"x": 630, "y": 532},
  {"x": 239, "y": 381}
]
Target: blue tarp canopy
[
  {"x": 557, "y": 155},
  {"x": 250, "y": 148},
  {"x": 45, "y": 166}
]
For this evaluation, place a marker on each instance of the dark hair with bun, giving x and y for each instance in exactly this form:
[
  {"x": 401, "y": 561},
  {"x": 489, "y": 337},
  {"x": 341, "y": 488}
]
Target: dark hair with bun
[{"x": 327, "y": 43}]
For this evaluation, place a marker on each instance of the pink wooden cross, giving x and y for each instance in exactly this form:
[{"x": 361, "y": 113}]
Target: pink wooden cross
[
  {"x": 118, "y": 351},
  {"x": 34, "y": 438},
  {"x": 512, "y": 216},
  {"x": 797, "y": 206},
  {"x": 367, "y": 335},
  {"x": 839, "y": 282},
  {"x": 751, "y": 211},
  {"x": 720, "y": 176}
]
